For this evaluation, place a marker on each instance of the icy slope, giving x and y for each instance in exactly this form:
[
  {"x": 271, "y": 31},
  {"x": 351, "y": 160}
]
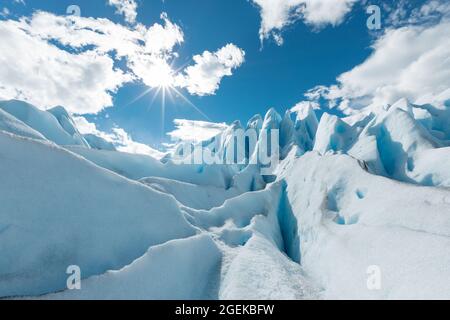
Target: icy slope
[
  {"x": 261, "y": 272},
  {"x": 259, "y": 246},
  {"x": 402, "y": 142},
  {"x": 136, "y": 166},
  {"x": 66, "y": 122},
  {"x": 200, "y": 196},
  {"x": 132, "y": 166},
  {"x": 237, "y": 256},
  {"x": 178, "y": 269},
  {"x": 349, "y": 195},
  {"x": 98, "y": 143},
  {"x": 349, "y": 220},
  {"x": 58, "y": 209},
  {"x": 192, "y": 195},
  {"x": 54, "y": 126},
  {"x": 10, "y": 124}
]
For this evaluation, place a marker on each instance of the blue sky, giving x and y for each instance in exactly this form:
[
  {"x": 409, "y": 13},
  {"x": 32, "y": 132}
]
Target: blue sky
[{"x": 271, "y": 76}]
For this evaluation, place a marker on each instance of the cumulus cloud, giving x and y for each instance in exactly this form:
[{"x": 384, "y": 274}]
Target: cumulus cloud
[
  {"x": 195, "y": 131},
  {"x": 411, "y": 61},
  {"x": 127, "y": 8},
  {"x": 124, "y": 143},
  {"x": 163, "y": 38},
  {"x": 38, "y": 72},
  {"x": 52, "y": 60},
  {"x": 278, "y": 14},
  {"x": 204, "y": 77},
  {"x": 121, "y": 140},
  {"x": 153, "y": 64},
  {"x": 302, "y": 108}
]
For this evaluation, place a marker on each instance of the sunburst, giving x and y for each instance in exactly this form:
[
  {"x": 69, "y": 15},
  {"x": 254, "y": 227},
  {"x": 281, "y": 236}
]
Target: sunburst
[{"x": 162, "y": 85}]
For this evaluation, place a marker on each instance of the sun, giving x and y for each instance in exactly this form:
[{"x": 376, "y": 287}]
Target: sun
[
  {"x": 161, "y": 80},
  {"x": 163, "y": 76}
]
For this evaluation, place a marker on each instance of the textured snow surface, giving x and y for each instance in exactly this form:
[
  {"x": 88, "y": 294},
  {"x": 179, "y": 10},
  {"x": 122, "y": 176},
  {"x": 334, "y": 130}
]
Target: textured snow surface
[
  {"x": 350, "y": 220},
  {"x": 13, "y": 125},
  {"x": 55, "y": 124},
  {"x": 58, "y": 209},
  {"x": 349, "y": 194},
  {"x": 178, "y": 269}
]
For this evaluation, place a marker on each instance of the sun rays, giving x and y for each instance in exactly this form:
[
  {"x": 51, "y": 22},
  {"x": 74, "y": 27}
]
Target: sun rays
[{"x": 162, "y": 85}]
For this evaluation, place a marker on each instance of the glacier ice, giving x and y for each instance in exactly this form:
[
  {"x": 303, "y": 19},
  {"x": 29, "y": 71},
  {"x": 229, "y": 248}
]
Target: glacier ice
[
  {"x": 348, "y": 194},
  {"x": 157, "y": 274},
  {"x": 58, "y": 209},
  {"x": 13, "y": 125},
  {"x": 55, "y": 126}
]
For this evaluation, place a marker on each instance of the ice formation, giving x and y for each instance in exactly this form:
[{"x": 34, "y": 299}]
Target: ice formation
[{"x": 348, "y": 195}]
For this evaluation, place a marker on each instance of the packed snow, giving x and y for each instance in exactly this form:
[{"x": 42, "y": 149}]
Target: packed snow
[
  {"x": 58, "y": 209},
  {"x": 53, "y": 124},
  {"x": 349, "y": 197}
]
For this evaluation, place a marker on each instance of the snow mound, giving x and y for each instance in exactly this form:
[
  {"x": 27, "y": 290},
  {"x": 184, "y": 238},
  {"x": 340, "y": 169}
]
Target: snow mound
[
  {"x": 306, "y": 125},
  {"x": 53, "y": 128},
  {"x": 137, "y": 166},
  {"x": 132, "y": 166},
  {"x": 333, "y": 135},
  {"x": 60, "y": 210},
  {"x": 11, "y": 124},
  {"x": 68, "y": 125},
  {"x": 261, "y": 272},
  {"x": 398, "y": 141},
  {"x": 177, "y": 270},
  {"x": 98, "y": 143},
  {"x": 349, "y": 220},
  {"x": 192, "y": 195}
]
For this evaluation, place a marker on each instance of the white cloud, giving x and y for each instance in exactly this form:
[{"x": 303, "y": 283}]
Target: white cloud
[
  {"x": 124, "y": 143},
  {"x": 411, "y": 61},
  {"x": 161, "y": 38},
  {"x": 433, "y": 7},
  {"x": 152, "y": 65},
  {"x": 44, "y": 75},
  {"x": 302, "y": 108},
  {"x": 195, "y": 131},
  {"x": 125, "y": 7},
  {"x": 72, "y": 61},
  {"x": 204, "y": 77},
  {"x": 323, "y": 12},
  {"x": 118, "y": 137},
  {"x": 278, "y": 14},
  {"x": 86, "y": 127},
  {"x": 404, "y": 12}
]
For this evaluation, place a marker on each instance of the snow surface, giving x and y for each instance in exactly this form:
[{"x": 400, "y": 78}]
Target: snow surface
[
  {"x": 98, "y": 143},
  {"x": 157, "y": 274},
  {"x": 13, "y": 125},
  {"x": 137, "y": 166},
  {"x": 58, "y": 209},
  {"x": 54, "y": 126},
  {"x": 349, "y": 220},
  {"x": 349, "y": 194}
]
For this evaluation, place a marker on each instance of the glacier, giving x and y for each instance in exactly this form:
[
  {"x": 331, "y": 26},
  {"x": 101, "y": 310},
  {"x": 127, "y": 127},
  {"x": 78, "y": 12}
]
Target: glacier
[{"x": 347, "y": 194}]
